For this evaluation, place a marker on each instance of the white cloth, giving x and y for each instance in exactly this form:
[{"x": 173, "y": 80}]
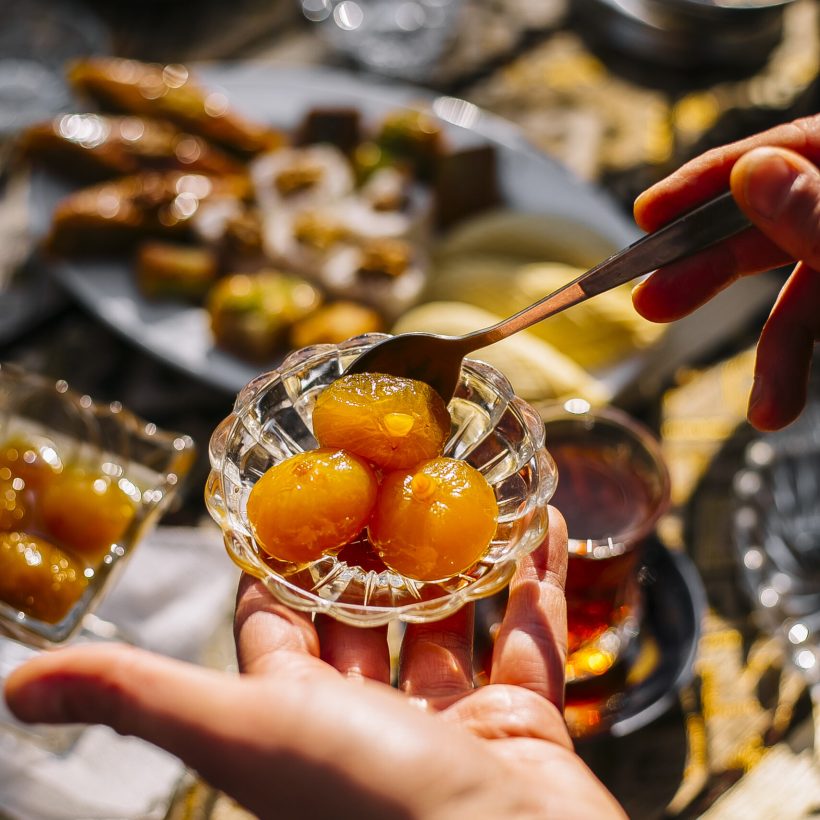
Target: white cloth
[{"x": 174, "y": 596}]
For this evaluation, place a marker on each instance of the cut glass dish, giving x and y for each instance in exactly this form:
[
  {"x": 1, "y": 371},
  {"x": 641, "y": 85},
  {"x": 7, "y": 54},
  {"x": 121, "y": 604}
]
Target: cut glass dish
[
  {"x": 146, "y": 462},
  {"x": 493, "y": 430}
]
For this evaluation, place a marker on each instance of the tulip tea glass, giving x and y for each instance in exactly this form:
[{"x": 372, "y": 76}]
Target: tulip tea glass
[
  {"x": 491, "y": 429},
  {"x": 613, "y": 486}
]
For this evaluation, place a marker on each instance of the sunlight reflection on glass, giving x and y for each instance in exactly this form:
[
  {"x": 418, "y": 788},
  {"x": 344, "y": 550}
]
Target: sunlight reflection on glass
[{"x": 402, "y": 38}]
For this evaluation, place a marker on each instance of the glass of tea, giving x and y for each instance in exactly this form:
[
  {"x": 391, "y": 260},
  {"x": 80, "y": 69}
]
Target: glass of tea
[{"x": 613, "y": 486}]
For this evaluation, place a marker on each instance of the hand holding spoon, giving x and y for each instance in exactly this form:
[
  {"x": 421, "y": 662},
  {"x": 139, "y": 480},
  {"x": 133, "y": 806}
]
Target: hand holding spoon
[{"x": 436, "y": 359}]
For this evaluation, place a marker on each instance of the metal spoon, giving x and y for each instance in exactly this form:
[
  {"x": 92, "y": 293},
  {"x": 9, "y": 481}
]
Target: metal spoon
[{"x": 436, "y": 359}]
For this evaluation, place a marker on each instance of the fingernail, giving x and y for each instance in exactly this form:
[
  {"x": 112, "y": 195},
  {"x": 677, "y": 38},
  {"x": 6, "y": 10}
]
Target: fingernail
[
  {"x": 769, "y": 180},
  {"x": 637, "y": 296},
  {"x": 757, "y": 393}
]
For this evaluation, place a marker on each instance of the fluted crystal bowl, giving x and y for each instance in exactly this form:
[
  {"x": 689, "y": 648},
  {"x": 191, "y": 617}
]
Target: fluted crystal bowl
[
  {"x": 492, "y": 430},
  {"x": 146, "y": 462}
]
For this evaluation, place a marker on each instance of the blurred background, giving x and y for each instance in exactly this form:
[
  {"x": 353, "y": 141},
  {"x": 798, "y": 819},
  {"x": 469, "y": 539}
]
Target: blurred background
[{"x": 616, "y": 95}]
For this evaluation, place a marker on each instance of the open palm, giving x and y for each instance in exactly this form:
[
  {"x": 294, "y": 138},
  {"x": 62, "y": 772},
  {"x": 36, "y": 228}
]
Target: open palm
[{"x": 311, "y": 728}]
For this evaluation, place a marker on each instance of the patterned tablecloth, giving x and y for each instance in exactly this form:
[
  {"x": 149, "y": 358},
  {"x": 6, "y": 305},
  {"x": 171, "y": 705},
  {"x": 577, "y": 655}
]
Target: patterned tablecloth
[{"x": 740, "y": 742}]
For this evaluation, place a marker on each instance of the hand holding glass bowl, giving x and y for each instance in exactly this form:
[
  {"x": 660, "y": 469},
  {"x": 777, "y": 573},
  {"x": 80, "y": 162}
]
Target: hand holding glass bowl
[{"x": 491, "y": 430}]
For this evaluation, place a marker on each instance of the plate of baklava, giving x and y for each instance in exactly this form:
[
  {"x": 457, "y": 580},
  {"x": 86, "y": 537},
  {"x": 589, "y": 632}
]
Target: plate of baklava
[{"x": 219, "y": 216}]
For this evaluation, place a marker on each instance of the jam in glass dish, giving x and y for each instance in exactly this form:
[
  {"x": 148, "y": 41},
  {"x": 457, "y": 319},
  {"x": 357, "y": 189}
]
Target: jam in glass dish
[
  {"x": 494, "y": 441},
  {"x": 80, "y": 484}
]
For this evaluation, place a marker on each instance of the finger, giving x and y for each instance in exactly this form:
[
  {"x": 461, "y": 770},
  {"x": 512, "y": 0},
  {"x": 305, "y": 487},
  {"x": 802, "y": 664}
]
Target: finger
[
  {"x": 780, "y": 191},
  {"x": 678, "y": 289},
  {"x": 708, "y": 175},
  {"x": 437, "y": 658},
  {"x": 784, "y": 352},
  {"x": 531, "y": 646},
  {"x": 355, "y": 652},
  {"x": 131, "y": 690},
  {"x": 236, "y": 732},
  {"x": 270, "y": 637}
]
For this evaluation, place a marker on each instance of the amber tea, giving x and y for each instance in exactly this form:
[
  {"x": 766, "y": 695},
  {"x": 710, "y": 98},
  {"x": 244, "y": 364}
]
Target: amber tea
[{"x": 612, "y": 487}]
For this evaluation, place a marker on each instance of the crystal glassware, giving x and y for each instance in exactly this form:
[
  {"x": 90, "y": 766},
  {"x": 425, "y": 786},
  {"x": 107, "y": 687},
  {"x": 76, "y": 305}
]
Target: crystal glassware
[
  {"x": 62, "y": 426},
  {"x": 397, "y": 38},
  {"x": 776, "y": 533},
  {"x": 492, "y": 430}
]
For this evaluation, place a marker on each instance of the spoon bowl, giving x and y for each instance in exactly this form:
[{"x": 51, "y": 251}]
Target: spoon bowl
[{"x": 426, "y": 357}]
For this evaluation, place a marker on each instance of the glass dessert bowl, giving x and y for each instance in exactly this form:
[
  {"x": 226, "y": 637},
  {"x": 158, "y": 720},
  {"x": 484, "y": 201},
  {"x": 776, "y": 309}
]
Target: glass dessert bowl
[
  {"x": 80, "y": 484},
  {"x": 491, "y": 430}
]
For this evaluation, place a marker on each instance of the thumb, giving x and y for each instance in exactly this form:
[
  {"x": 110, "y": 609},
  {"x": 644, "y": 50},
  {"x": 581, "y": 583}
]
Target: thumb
[{"x": 779, "y": 190}]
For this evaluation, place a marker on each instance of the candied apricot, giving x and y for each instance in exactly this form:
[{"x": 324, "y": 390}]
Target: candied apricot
[
  {"x": 434, "y": 521},
  {"x": 38, "y": 578},
  {"x": 86, "y": 511},
  {"x": 311, "y": 503},
  {"x": 389, "y": 420},
  {"x": 15, "y": 507},
  {"x": 35, "y": 462}
]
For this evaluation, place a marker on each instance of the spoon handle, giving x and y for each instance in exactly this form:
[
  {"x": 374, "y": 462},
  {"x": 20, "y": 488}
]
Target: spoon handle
[{"x": 717, "y": 219}]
